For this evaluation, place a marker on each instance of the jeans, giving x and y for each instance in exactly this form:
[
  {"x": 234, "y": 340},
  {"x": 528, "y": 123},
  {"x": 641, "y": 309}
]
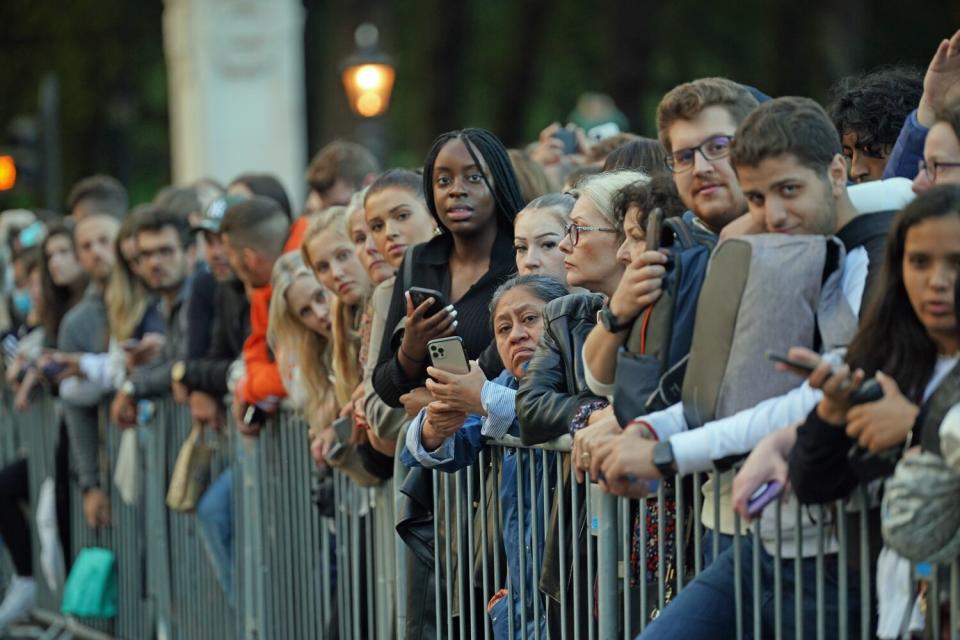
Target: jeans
[
  {"x": 215, "y": 516},
  {"x": 706, "y": 546},
  {"x": 706, "y": 608}
]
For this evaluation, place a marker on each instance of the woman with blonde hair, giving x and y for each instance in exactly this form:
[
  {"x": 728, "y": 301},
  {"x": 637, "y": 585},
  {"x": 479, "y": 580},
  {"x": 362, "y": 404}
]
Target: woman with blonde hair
[{"x": 300, "y": 334}]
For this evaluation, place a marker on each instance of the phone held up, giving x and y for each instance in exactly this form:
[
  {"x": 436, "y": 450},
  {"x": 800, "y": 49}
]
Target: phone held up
[
  {"x": 419, "y": 295},
  {"x": 448, "y": 354}
]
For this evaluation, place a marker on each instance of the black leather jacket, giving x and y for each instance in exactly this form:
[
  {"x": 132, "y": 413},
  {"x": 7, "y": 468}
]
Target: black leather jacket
[{"x": 554, "y": 388}]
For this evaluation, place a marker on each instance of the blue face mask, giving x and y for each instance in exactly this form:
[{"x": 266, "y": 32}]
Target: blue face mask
[{"x": 21, "y": 302}]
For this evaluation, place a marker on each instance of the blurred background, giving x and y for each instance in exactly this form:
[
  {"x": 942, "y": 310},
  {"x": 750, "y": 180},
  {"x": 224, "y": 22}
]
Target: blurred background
[{"x": 154, "y": 92}]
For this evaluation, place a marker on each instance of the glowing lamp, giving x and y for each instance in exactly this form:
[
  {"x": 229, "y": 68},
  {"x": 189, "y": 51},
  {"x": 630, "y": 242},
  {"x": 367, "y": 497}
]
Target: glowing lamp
[
  {"x": 8, "y": 173},
  {"x": 368, "y": 86}
]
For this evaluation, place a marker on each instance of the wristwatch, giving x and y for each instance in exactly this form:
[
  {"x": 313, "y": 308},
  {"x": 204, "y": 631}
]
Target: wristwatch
[
  {"x": 663, "y": 459},
  {"x": 609, "y": 321},
  {"x": 178, "y": 371},
  {"x": 128, "y": 389}
]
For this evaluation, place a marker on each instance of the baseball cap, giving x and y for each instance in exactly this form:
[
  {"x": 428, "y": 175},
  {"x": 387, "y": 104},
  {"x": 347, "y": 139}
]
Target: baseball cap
[{"x": 215, "y": 211}]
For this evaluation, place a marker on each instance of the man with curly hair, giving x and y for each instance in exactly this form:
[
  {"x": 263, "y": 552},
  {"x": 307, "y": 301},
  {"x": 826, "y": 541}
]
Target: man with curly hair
[{"x": 868, "y": 111}]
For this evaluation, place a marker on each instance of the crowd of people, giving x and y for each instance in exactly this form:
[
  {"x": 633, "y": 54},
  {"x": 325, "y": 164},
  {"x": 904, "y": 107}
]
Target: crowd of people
[{"x": 575, "y": 277}]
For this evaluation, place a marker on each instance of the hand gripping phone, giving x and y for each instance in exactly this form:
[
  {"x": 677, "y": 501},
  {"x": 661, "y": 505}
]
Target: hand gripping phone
[
  {"x": 448, "y": 355},
  {"x": 793, "y": 364},
  {"x": 419, "y": 295},
  {"x": 343, "y": 428},
  {"x": 764, "y": 495}
]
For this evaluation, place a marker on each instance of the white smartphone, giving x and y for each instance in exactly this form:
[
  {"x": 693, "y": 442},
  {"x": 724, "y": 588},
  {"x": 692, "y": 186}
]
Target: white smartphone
[{"x": 448, "y": 354}]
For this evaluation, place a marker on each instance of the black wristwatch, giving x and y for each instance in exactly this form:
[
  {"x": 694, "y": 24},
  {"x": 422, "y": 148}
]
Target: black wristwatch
[
  {"x": 609, "y": 321},
  {"x": 663, "y": 459}
]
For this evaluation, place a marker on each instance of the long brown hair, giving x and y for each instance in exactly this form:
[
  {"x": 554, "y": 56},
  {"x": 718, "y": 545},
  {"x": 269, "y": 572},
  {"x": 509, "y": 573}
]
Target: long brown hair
[
  {"x": 57, "y": 299},
  {"x": 891, "y": 338}
]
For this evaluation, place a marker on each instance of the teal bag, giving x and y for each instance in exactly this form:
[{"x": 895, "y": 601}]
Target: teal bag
[{"x": 91, "y": 589}]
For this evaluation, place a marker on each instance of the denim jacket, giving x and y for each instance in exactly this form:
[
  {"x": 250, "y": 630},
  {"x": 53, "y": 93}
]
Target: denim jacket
[{"x": 461, "y": 450}]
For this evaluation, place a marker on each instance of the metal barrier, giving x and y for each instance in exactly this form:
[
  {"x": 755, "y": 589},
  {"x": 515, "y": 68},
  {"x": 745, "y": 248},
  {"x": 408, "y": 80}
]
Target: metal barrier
[{"x": 573, "y": 558}]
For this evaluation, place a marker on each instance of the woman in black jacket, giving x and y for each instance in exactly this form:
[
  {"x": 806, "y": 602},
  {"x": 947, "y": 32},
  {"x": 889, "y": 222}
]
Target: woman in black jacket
[
  {"x": 472, "y": 192},
  {"x": 553, "y": 399}
]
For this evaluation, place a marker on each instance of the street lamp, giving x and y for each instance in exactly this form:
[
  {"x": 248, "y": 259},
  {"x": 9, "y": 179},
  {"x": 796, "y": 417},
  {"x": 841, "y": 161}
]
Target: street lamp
[{"x": 368, "y": 77}]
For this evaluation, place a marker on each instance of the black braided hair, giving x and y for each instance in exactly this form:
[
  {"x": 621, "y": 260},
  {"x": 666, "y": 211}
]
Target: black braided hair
[{"x": 480, "y": 143}]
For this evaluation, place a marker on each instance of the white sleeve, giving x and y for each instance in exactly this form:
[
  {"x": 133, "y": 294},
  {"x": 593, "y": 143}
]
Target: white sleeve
[
  {"x": 598, "y": 388},
  {"x": 696, "y": 449},
  {"x": 80, "y": 392},
  {"x": 666, "y": 422}
]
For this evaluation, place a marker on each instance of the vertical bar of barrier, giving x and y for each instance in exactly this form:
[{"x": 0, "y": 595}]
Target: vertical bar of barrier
[
  {"x": 485, "y": 542},
  {"x": 661, "y": 548},
  {"x": 370, "y": 579},
  {"x": 471, "y": 595},
  {"x": 451, "y": 573},
  {"x": 437, "y": 566},
  {"x": 562, "y": 521},
  {"x": 325, "y": 569},
  {"x": 575, "y": 538},
  {"x": 498, "y": 573},
  {"x": 463, "y": 572},
  {"x": 842, "y": 622},
  {"x": 954, "y": 599},
  {"x": 757, "y": 583},
  {"x": 778, "y": 571},
  {"x": 591, "y": 563},
  {"x": 642, "y": 556},
  {"x": 533, "y": 456},
  {"x": 798, "y": 576},
  {"x": 607, "y": 567},
  {"x": 625, "y": 547},
  {"x": 933, "y": 604},
  {"x": 715, "y": 477},
  {"x": 548, "y": 494},
  {"x": 737, "y": 573},
  {"x": 679, "y": 545},
  {"x": 358, "y": 524},
  {"x": 821, "y": 600},
  {"x": 697, "y": 525},
  {"x": 865, "y": 614},
  {"x": 521, "y": 541}
]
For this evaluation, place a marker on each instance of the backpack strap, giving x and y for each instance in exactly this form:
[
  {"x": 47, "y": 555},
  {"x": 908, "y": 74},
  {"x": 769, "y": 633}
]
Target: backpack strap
[{"x": 942, "y": 400}]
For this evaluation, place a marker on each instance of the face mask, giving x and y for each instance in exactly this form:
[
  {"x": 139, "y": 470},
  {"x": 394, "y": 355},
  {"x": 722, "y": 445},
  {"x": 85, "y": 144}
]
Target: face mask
[{"x": 21, "y": 302}]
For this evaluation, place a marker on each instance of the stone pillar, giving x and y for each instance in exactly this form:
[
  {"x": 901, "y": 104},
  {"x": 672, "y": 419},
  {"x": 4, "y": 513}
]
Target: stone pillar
[{"x": 236, "y": 84}]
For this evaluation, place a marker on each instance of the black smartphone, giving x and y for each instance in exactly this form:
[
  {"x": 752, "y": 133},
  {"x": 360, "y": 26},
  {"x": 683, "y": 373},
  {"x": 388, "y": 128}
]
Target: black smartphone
[
  {"x": 569, "y": 139},
  {"x": 794, "y": 364},
  {"x": 419, "y": 295},
  {"x": 255, "y": 415},
  {"x": 654, "y": 229},
  {"x": 52, "y": 370}
]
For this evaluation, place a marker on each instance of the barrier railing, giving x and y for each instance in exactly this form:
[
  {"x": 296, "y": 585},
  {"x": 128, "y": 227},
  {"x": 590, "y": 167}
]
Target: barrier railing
[{"x": 576, "y": 563}]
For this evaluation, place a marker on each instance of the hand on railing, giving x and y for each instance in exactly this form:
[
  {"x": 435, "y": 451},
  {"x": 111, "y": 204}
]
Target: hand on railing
[
  {"x": 123, "y": 410},
  {"x": 96, "y": 508},
  {"x": 623, "y": 464},
  {"x": 459, "y": 392},
  {"x": 141, "y": 352},
  {"x": 205, "y": 410},
  {"x": 586, "y": 439},
  {"x": 441, "y": 423}
]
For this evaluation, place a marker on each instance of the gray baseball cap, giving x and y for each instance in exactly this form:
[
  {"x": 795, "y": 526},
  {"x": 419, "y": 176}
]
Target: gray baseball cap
[{"x": 215, "y": 212}]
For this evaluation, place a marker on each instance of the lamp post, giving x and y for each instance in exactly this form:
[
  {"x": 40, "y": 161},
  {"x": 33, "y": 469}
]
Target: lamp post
[{"x": 368, "y": 77}]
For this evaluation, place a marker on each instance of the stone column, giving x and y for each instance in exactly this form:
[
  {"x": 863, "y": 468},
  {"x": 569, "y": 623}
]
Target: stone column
[{"x": 236, "y": 84}]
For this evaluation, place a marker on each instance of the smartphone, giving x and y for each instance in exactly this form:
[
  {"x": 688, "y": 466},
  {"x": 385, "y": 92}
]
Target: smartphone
[
  {"x": 448, "y": 354},
  {"x": 52, "y": 370},
  {"x": 255, "y": 415},
  {"x": 569, "y": 139},
  {"x": 130, "y": 345},
  {"x": 419, "y": 295},
  {"x": 654, "y": 229},
  {"x": 795, "y": 364},
  {"x": 764, "y": 495},
  {"x": 343, "y": 427}
]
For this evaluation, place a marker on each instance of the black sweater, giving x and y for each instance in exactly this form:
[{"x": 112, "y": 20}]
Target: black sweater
[
  {"x": 431, "y": 270},
  {"x": 231, "y": 326},
  {"x": 819, "y": 468}
]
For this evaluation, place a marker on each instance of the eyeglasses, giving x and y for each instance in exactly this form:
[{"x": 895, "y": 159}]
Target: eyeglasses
[
  {"x": 931, "y": 168},
  {"x": 574, "y": 231},
  {"x": 711, "y": 149}
]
